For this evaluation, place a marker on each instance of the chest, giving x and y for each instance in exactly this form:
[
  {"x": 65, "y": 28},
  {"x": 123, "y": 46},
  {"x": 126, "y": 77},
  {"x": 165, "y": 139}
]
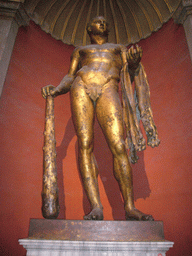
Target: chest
[
  {"x": 100, "y": 53},
  {"x": 99, "y": 50}
]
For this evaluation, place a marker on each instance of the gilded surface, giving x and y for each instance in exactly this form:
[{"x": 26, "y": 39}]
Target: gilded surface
[
  {"x": 92, "y": 80},
  {"x": 50, "y": 205}
]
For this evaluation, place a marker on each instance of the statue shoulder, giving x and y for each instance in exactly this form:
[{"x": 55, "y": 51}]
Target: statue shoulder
[
  {"x": 123, "y": 48},
  {"x": 75, "y": 53}
]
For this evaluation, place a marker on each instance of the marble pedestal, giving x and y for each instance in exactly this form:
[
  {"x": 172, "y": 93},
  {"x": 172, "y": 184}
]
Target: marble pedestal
[{"x": 95, "y": 238}]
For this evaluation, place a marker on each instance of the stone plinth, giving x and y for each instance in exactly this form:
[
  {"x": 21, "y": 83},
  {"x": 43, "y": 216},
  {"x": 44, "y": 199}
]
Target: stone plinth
[{"x": 96, "y": 238}]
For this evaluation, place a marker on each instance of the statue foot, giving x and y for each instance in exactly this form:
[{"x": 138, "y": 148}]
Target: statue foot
[
  {"x": 135, "y": 214},
  {"x": 95, "y": 214}
]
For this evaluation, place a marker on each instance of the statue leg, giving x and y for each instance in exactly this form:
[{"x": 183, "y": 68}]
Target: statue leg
[
  {"x": 109, "y": 115},
  {"x": 83, "y": 118}
]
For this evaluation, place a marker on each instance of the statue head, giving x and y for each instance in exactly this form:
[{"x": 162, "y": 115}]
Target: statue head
[{"x": 98, "y": 26}]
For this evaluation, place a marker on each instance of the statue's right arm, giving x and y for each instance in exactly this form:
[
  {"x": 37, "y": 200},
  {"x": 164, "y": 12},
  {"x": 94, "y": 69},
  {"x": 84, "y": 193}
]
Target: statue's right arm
[{"x": 66, "y": 82}]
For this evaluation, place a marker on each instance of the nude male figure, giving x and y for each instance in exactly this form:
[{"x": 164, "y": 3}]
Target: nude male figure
[{"x": 92, "y": 80}]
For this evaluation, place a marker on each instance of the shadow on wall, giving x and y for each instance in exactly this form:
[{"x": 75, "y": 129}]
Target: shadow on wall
[{"x": 105, "y": 164}]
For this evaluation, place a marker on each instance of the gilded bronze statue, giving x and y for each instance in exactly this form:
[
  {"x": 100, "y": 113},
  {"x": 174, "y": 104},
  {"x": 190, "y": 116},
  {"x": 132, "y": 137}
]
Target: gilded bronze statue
[{"x": 92, "y": 80}]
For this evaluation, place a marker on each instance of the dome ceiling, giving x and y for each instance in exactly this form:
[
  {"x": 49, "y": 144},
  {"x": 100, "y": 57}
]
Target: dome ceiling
[{"x": 129, "y": 20}]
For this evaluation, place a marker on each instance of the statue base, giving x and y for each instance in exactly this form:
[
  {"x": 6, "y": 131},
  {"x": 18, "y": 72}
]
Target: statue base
[{"x": 95, "y": 238}]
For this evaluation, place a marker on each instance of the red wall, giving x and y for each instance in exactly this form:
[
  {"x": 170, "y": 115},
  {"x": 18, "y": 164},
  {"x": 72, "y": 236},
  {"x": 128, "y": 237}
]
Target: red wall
[{"x": 162, "y": 178}]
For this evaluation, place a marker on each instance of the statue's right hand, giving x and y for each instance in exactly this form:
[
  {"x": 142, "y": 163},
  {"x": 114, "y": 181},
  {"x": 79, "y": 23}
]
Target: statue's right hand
[{"x": 47, "y": 91}]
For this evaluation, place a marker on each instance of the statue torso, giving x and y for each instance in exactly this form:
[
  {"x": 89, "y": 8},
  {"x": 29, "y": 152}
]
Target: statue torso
[{"x": 99, "y": 63}]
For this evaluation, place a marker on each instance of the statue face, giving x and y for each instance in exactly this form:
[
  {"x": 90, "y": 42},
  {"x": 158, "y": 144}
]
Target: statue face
[{"x": 98, "y": 26}]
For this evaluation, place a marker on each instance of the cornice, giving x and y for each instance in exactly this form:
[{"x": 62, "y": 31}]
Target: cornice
[
  {"x": 183, "y": 11},
  {"x": 15, "y": 10}
]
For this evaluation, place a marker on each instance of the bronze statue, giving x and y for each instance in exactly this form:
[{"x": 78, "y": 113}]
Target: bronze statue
[{"x": 92, "y": 80}]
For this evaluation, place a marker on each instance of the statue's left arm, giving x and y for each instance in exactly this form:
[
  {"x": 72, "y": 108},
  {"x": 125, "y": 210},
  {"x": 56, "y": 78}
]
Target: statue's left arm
[
  {"x": 134, "y": 55},
  {"x": 144, "y": 105},
  {"x": 138, "y": 75},
  {"x": 134, "y": 134}
]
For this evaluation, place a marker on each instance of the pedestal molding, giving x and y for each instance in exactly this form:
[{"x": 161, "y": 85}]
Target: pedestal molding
[
  {"x": 59, "y": 247},
  {"x": 95, "y": 238}
]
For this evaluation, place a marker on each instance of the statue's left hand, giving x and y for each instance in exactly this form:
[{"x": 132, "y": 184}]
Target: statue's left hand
[{"x": 134, "y": 57}]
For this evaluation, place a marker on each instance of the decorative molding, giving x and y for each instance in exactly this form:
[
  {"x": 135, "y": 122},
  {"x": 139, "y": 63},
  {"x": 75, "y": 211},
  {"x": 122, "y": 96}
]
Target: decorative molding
[
  {"x": 130, "y": 20},
  {"x": 12, "y": 16},
  {"x": 15, "y": 10},
  {"x": 183, "y": 11},
  {"x": 40, "y": 247},
  {"x": 183, "y": 15},
  {"x": 95, "y": 238}
]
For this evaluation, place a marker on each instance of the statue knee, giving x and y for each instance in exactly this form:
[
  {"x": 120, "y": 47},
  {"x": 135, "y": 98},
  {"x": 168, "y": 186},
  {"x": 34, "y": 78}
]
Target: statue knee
[
  {"x": 119, "y": 148},
  {"x": 85, "y": 145}
]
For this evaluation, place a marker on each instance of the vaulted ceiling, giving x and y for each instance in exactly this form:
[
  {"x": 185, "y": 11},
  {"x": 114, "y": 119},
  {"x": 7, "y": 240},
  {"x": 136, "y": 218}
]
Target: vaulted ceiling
[{"x": 130, "y": 20}]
